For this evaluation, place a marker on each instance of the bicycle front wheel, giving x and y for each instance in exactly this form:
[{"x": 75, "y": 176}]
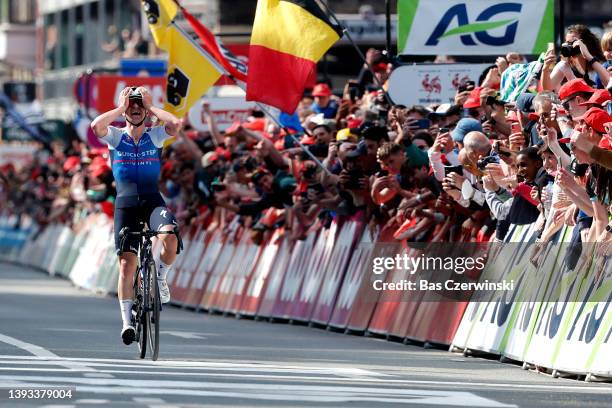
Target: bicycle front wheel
[
  {"x": 153, "y": 314},
  {"x": 140, "y": 320}
]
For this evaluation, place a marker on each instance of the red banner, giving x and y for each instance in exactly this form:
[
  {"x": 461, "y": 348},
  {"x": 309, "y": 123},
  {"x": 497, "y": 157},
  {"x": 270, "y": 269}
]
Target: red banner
[{"x": 109, "y": 87}]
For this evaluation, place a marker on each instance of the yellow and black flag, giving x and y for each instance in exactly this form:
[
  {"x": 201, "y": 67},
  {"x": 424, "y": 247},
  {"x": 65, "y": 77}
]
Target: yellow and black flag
[
  {"x": 160, "y": 14},
  {"x": 191, "y": 71},
  {"x": 289, "y": 37}
]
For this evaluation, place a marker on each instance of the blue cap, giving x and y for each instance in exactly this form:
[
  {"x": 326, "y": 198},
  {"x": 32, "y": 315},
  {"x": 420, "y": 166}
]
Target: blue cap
[
  {"x": 524, "y": 102},
  {"x": 465, "y": 126}
]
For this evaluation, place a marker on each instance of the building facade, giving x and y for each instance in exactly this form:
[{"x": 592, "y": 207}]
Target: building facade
[{"x": 17, "y": 40}]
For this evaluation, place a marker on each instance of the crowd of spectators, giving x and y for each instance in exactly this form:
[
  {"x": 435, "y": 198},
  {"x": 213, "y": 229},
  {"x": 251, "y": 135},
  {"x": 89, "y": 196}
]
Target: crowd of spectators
[{"x": 461, "y": 171}]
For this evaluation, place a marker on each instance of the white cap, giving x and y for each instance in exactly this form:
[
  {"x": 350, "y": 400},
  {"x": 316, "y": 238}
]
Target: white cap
[{"x": 209, "y": 159}]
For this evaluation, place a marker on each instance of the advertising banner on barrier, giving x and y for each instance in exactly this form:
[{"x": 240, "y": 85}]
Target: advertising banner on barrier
[
  {"x": 423, "y": 84},
  {"x": 213, "y": 244},
  {"x": 356, "y": 270},
  {"x": 271, "y": 295},
  {"x": 335, "y": 273},
  {"x": 218, "y": 271},
  {"x": 292, "y": 279},
  {"x": 579, "y": 331},
  {"x": 265, "y": 267},
  {"x": 588, "y": 326},
  {"x": 189, "y": 267},
  {"x": 559, "y": 305},
  {"x": 313, "y": 278},
  {"x": 475, "y": 27}
]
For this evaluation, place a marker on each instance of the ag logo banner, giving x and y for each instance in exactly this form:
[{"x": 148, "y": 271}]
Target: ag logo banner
[{"x": 474, "y": 27}]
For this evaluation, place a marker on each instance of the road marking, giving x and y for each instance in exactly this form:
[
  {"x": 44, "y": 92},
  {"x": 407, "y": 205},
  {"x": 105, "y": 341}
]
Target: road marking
[
  {"x": 145, "y": 400},
  {"x": 154, "y": 402},
  {"x": 98, "y": 375},
  {"x": 41, "y": 352},
  {"x": 184, "y": 335},
  {"x": 565, "y": 388},
  {"x": 259, "y": 391},
  {"x": 197, "y": 365},
  {"x": 73, "y": 330}
]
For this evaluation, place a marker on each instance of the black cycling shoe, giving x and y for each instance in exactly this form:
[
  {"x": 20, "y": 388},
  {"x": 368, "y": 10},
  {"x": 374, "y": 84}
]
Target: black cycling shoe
[{"x": 128, "y": 335}]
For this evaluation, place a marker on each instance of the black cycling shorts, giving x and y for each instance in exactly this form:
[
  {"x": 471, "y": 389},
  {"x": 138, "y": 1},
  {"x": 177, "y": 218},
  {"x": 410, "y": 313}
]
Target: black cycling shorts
[{"x": 134, "y": 218}]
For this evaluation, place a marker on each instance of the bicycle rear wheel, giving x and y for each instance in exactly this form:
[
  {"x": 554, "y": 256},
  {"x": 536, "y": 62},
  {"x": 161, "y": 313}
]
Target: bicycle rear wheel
[{"x": 153, "y": 314}]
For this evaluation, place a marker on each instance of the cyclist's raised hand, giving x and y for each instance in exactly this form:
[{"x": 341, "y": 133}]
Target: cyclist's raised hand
[
  {"x": 124, "y": 101},
  {"x": 147, "y": 99}
]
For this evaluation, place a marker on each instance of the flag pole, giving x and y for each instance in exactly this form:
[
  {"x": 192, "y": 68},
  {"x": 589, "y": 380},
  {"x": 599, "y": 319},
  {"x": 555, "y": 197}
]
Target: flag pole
[
  {"x": 354, "y": 44},
  {"x": 240, "y": 84}
]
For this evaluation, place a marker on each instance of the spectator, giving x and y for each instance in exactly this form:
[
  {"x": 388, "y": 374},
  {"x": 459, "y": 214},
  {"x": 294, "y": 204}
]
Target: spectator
[{"x": 323, "y": 103}]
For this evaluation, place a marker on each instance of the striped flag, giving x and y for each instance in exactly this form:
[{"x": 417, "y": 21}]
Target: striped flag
[
  {"x": 517, "y": 79},
  {"x": 234, "y": 66},
  {"x": 289, "y": 37}
]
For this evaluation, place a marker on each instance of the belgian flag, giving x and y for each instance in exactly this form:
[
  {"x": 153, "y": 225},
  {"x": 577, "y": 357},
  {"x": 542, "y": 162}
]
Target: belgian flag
[{"x": 289, "y": 37}]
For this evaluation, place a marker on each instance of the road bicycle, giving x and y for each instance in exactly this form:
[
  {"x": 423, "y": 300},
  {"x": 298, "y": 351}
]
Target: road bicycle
[{"x": 147, "y": 302}]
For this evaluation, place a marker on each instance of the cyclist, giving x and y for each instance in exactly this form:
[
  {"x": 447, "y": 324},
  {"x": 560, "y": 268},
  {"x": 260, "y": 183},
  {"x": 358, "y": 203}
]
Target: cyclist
[{"x": 135, "y": 153}]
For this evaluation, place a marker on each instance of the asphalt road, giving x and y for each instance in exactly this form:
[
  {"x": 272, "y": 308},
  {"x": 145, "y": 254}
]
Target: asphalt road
[{"x": 52, "y": 334}]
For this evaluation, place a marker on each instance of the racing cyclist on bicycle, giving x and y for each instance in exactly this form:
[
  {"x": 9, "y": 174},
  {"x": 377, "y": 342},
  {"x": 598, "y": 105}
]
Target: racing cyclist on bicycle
[{"x": 135, "y": 153}]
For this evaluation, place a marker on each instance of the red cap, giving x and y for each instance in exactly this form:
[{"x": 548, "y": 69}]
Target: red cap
[
  {"x": 108, "y": 208},
  {"x": 97, "y": 151},
  {"x": 192, "y": 134},
  {"x": 7, "y": 167},
  {"x": 98, "y": 161},
  {"x": 380, "y": 67},
  {"x": 167, "y": 169},
  {"x": 353, "y": 123},
  {"x": 598, "y": 98},
  {"x": 473, "y": 101},
  {"x": 308, "y": 140},
  {"x": 321, "y": 90},
  {"x": 257, "y": 125},
  {"x": 223, "y": 153},
  {"x": 596, "y": 118},
  {"x": 71, "y": 163},
  {"x": 279, "y": 144},
  {"x": 97, "y": 171},
  {"x": 533, "y": 116},
  {"x": 572, "y": 87}
]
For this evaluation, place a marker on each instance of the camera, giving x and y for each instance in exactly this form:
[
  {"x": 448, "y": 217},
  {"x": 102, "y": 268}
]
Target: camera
[
  {"x": 453, "y": 169},
  {"x": 468, "y": 86},
  {"x": 482, "y": 163},
  {"x": 353, "y": 183},
  {"x": 568, "y": 50}
]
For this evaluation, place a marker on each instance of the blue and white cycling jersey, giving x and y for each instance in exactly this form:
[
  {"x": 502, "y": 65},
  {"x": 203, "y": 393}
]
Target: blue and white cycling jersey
[{"x": 136, "y": 166}]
